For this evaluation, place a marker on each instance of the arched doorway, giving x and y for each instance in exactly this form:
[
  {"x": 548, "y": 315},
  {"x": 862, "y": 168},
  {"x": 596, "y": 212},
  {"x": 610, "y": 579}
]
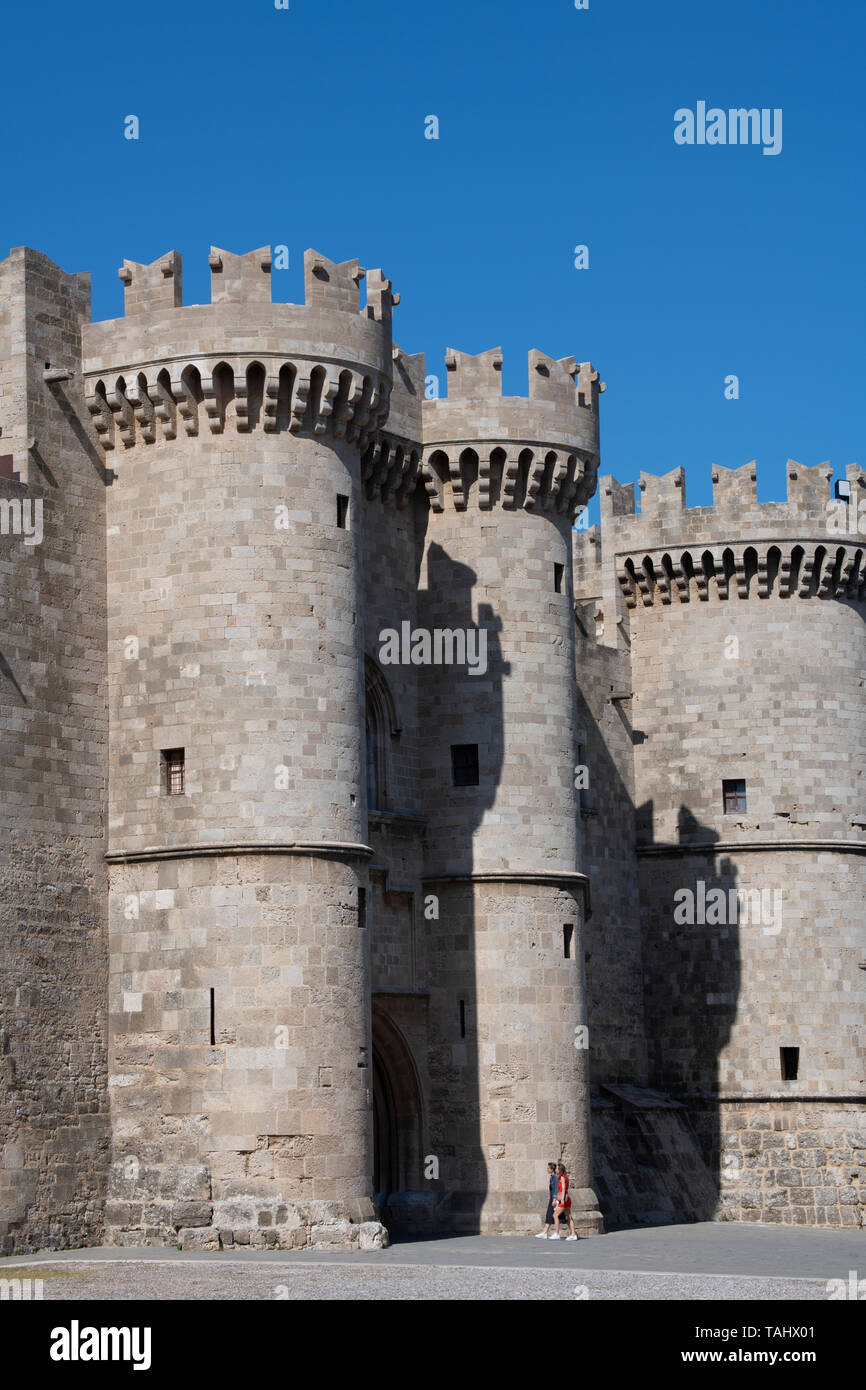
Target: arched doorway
[{"x": 397, "y": 1112}]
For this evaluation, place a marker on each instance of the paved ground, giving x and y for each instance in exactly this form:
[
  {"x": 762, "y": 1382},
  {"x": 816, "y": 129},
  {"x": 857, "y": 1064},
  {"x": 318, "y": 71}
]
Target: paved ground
[{"x": 706, "y": 1261}]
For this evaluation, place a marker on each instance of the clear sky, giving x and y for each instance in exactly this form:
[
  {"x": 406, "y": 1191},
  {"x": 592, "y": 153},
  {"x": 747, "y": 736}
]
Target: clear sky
[{"x": 306, "y": 127}]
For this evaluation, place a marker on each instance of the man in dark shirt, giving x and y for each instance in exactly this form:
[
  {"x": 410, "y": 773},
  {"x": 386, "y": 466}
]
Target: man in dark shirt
[{"x": 552, "y": 1181}]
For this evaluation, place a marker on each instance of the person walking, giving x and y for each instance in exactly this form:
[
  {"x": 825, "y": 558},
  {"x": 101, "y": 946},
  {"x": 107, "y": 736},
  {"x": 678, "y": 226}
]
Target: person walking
[
  {"x": 562, "y": 1205},
  {"x": 552, "y": 1185}
]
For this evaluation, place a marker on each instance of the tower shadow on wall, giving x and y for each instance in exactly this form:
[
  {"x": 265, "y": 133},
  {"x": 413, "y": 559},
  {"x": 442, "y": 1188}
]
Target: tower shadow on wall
[
  {"x": 451, "y": 702},
  {"x": 692, "y": 968},
  {"x": 613, "y": 959},
  {"x": 612, "y": 933}
]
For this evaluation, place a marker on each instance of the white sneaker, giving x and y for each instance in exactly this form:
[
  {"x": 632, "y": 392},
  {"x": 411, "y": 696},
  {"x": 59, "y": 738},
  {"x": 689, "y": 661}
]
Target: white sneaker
[
  {"x": 553, "y": 1237},
  {"x": 542, "y": 1235},
  {"x": 571, "y": 1237}
]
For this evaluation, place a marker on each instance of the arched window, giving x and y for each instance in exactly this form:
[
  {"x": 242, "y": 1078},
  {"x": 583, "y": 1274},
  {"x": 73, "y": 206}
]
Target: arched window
[
  {"x": 224, "y": 392},
  {"x": 256, "y": 378},
  {"x": 381, "y": 727}
]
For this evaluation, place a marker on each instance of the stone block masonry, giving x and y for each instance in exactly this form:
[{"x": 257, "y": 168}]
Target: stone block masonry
[{"x": 54, "y": 1121}]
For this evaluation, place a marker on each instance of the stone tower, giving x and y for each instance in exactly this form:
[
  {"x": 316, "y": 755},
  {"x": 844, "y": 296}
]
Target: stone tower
[
  {"x": 239, "y": 995},
  {"x": 732, "y": 639},
  {"x": 505, "y": 477}
]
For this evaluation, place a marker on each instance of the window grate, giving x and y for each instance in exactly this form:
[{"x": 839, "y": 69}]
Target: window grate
[{"x": 173, "y": 771}]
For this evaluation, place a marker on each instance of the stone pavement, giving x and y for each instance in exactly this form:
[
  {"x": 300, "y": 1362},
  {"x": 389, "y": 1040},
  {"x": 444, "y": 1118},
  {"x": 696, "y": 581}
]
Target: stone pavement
[{"x": 704, "y": 1261}]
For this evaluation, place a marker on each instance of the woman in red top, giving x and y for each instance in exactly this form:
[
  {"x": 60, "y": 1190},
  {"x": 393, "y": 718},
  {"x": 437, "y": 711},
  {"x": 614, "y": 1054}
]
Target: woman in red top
[{"x": 563, "y": 1205}]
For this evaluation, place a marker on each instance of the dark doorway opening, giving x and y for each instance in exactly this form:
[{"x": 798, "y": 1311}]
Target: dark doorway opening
[{"x": 405, "y": 1197}]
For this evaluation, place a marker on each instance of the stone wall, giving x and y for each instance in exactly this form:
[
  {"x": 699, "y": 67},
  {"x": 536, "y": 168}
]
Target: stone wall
[
  {"x": 612, "y": 933},
  {"x": 723, "y": 999},
  {"x": 54, "y": 1147},
  {"x": 240, "y": 1052},
  {"x": 788, "y": 1164},
  {"x": 772, "y": 1161}
]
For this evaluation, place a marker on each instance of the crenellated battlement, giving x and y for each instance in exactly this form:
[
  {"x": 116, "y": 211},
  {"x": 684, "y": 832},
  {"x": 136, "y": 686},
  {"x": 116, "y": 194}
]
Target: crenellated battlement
[
  {"x": 735, "y": 494},
  {"x": 536, "y": 451},
  {"x": 240, "y": 279},
  {"x": 478, "y": 377},
  {"x": 155, "y": 286},
  {"x": 242, "y": 362},
  {"x": 810, "y": 545},
  {"x": 328, "y": 285}
]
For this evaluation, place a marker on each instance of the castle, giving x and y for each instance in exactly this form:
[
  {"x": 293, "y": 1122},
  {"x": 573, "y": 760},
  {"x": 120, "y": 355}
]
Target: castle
[{"x": 302, "y": 942}]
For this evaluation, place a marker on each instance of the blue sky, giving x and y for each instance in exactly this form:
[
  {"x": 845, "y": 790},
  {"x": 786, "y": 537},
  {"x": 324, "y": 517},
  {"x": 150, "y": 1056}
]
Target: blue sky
[{"x": 306, "y": 127}]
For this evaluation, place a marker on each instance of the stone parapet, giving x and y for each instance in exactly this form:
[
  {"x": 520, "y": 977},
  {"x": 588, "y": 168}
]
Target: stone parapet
[
  {"x": 165, "y": 370},
  {"x": 538, "y": 452}
]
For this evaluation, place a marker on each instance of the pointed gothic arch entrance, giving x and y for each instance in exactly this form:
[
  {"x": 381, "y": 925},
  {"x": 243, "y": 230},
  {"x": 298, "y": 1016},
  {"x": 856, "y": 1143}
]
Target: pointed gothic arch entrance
[{"x": 397, "y": 1111}]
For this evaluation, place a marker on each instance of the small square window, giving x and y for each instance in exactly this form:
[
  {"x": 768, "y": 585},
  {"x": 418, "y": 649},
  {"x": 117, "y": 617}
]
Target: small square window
[
  {"x": 464, "y": 764},
  {"x": 342, "y": 511},
  {"x": 734, "y": 795},
  {"x": 790, "y": 1060},
  {"x": 173, "y": 771}
]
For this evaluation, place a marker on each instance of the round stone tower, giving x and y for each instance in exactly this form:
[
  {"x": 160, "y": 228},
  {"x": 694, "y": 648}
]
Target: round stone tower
[
  {"x": 239, "y": 1006},
  {"x": 746, "y": 625},
  {"x": 505, "y": 896}
]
